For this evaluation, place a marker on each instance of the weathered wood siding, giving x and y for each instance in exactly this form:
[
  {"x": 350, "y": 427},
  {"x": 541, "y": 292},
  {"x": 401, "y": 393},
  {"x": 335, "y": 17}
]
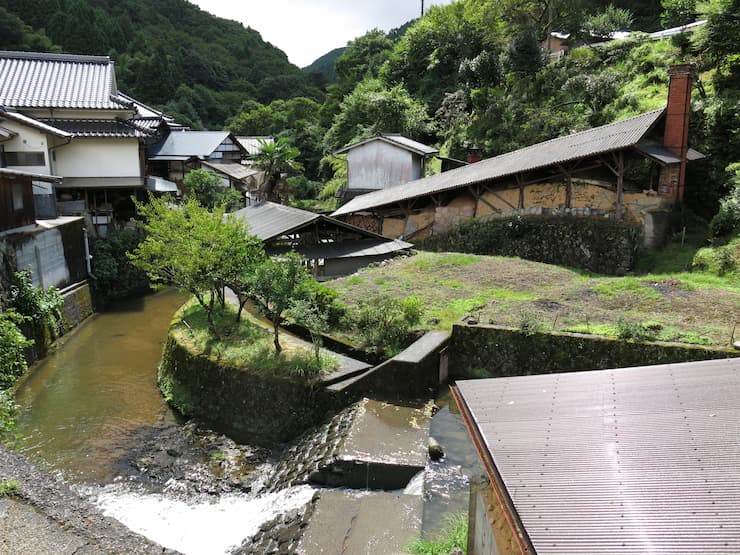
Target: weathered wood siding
[
  {"x": 379, "y": 165},
  {"x": 10, "y": 216}
]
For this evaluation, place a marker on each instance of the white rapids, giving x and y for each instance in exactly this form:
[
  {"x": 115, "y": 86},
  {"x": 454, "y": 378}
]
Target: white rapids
[{"x": 198, "y": 527}]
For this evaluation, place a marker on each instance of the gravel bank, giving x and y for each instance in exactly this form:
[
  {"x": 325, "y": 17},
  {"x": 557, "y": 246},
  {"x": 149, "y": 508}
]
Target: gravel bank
[{"x": 48, "y": 517}]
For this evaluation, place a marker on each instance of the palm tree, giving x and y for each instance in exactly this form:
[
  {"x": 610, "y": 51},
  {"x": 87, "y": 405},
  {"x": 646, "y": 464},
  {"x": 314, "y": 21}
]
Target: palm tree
[{"x": 275, "y": 159}]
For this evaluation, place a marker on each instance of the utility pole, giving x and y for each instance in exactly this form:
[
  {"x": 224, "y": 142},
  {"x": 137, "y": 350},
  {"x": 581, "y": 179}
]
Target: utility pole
[{"x": 422, "y": 8}]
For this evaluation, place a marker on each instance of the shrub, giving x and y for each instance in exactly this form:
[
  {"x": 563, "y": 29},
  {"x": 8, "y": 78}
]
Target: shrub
[
  {"x": 115, "y": 275},
  {"x": 8, "y": 412},
  {"x": 8, "y": 487},
  {"x": 627, "y": 330},
  {"x": 530, "y": 321},
  {"x": 12, "y": 349},
  {"x": 727, "y": 220},
  {"x": 386, "y": 323},
  {"x": 43, "y": 307}
]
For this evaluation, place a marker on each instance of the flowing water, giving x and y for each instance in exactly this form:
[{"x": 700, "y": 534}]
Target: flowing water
[{"x": 92, "y": 411}]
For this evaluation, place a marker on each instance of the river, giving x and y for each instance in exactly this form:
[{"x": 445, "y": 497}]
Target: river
[{"x": 92, "y": 412}]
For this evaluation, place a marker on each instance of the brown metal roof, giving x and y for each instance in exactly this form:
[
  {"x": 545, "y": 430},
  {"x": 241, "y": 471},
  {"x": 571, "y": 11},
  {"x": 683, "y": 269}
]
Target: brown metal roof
[
  {"x": 599, "y": 140},
  {"x": 634, "y": 460},
  {"x": 41, "y": 80}
]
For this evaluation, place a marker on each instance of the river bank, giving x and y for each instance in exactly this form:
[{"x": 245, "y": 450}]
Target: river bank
[{"x": 47, "y": 516}]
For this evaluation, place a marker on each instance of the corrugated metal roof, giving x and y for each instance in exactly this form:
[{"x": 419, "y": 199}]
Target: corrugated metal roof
[
  {"x": 398, "y": 140},
  {"x": 269, "y": 220},
  {"x": 200, "y": 144},
  {"x": 635, "y": 460},
  {"x": 252, "y": 144},
  {"x": 353, "y": 249},
  {"x": 611, "y": 137},
  {"x": 40, "y": 80},
  {"x": 36, "y": 124},
  {"x": 236, "y": 171},
  {"x": 96, "y": 127},
  {"x": 658, "y": 152}
]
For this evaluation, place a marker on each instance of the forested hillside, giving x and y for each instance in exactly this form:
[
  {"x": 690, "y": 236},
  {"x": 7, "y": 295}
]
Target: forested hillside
[
  {"x": 469, "y": 74},
  {"x": 472, "y": 74},
  {"x": 168, "y": 53}
]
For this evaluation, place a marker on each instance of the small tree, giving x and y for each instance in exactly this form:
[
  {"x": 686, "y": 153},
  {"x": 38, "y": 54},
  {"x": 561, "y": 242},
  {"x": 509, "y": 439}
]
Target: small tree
[
  {"x": 193, "y": 249},
  {"x": 210, "y": 192},
  {"x": 275, "y": 285},
  {"x": 315, "y": 318},
  {"x": 275, "y": 159}
]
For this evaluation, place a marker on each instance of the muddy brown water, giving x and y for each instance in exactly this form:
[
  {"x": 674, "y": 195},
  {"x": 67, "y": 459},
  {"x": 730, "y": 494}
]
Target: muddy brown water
[{"x": 81, "y": 406}]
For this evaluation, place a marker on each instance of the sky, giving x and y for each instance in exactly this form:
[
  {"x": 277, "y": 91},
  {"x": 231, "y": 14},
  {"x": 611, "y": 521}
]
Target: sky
[{"x": 307, "y": 29}]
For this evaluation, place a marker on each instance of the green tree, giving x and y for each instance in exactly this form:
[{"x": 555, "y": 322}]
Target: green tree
[
  {"x": 209, "y": 190},
  {"x": 275, "y": 159},
  {"x": 275, "y": 285},
  {"x": 372, "y": 108},
  {"x": 601, "y": 25},
  {"x": 677, "y": 12},
  {"x": 192, "y": 248}
]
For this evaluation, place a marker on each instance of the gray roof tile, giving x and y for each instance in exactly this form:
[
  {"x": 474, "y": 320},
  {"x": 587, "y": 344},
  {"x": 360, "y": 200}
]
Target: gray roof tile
[
  {"x": 39, "y": 80},
  {"x": 611, "y": 137},
  {"x": 97, "y": 127}
]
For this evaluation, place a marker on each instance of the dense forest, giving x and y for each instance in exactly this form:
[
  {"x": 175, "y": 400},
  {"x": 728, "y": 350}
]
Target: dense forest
[
  {"x": 469, "y": 74},
  {"x": 168, "y": 53}
]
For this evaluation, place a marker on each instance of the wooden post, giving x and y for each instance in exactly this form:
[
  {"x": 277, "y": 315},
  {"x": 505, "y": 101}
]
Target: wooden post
[
  {"x": 521, "y": 191},
  {"x": 620, "y": 183}
]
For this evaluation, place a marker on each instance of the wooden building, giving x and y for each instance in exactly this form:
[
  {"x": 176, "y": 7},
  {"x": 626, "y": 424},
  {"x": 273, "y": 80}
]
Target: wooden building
[
  {"x": 16, "y": 198},
  {"x": 633, "y": 170}
]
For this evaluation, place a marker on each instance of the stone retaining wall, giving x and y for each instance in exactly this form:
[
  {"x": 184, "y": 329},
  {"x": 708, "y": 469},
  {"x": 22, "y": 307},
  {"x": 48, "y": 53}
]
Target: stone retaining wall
[
  {"x": 249, "y": 406},
  {"x": 482, "y": 351}
]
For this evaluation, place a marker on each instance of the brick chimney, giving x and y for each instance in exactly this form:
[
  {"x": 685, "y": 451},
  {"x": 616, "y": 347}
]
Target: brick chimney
[{"x": 676, "y": 137}]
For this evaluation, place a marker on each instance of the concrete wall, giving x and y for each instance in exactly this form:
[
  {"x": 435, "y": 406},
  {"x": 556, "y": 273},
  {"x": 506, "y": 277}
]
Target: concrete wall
[
  {"x": 379, "y": 165},
  {"x": 27, "y": 140},
  {"x": 55, "y": 257},
  {"x": 483, "y": 351},
  {"x": 98, "y": 158},
  {"x": 489, "y": 532}
]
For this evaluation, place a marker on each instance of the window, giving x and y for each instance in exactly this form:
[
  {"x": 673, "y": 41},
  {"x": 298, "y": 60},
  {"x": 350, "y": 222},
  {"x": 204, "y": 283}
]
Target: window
[
  {"x": 17, "y": 196},
  {"x": 25, "y": 159}
]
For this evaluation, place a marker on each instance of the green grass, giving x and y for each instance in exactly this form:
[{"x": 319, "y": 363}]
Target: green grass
[
  {"x": 455, "y": 535},
  {"x": 355, "y": 280},
  {"x": 246, "y": 344},
  {"x": 422, "y": 262},
  {"x": 8, "y": 487}
]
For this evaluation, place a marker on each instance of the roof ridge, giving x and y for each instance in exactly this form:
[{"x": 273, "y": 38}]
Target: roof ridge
[{"x": 53, "y": 57}]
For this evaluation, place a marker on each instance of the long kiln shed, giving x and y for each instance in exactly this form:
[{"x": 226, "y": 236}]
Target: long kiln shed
[
  {"x": 632, "y": 169},
  {"x": 634, "y": 460},
  {"x": 332, "y": 248}
]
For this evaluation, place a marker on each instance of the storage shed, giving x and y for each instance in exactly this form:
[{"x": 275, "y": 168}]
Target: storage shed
[{"x": 330, "y": 247}]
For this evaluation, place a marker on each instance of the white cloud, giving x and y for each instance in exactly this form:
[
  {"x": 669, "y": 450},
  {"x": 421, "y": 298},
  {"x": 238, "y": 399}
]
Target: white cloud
[{"x": 307, "y": 29}]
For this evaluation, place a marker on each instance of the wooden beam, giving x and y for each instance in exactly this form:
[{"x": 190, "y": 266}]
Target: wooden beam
[
  {"x": 502, "y": 199},
  {"x": 620, "y": 183},
  {"x": 521, "y": 190}
]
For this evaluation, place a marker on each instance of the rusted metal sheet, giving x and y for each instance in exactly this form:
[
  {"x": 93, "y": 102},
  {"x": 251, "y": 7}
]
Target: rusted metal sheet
[{"x": 632, "y": 460}]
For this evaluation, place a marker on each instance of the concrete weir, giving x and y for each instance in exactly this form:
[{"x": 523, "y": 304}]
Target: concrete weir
[{"x": 369, "y": 445}]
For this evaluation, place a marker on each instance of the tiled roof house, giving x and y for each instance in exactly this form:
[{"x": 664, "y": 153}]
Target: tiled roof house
[{"x": 63, "y": 115}]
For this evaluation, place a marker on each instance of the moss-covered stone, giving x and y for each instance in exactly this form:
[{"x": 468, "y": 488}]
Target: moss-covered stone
[
  {"x": 597, "y": 244},
  {"x": 249, "y": 405},
  {"x": 487, "y": 351}
]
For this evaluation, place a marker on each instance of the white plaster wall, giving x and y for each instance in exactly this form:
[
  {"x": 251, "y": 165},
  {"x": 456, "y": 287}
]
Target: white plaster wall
[
  {"x": 43, "y": 255},
  {"x": 378, "y": 165},
  {"x": 27, "y": 140},
  {"x": 98, "y": 158}
]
